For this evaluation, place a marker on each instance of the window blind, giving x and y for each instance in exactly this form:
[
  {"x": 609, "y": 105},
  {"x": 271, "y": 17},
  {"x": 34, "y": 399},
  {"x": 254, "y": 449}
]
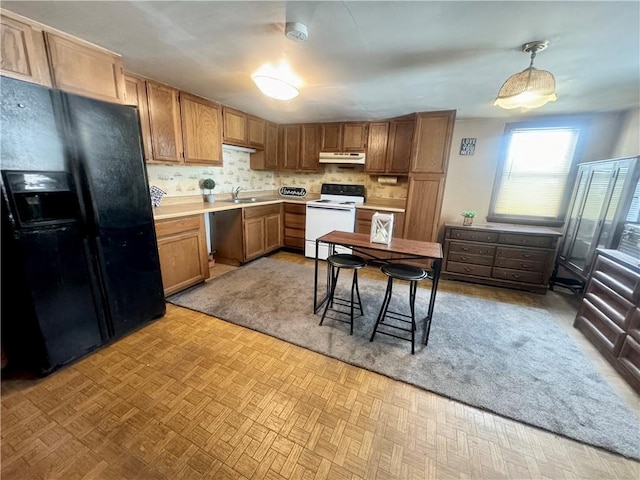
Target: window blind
[{"x": 535, "y": 171}]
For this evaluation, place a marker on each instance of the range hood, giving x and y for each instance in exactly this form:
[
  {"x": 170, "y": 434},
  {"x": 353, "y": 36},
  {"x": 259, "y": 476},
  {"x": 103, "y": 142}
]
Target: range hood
[{"x": 352, "y": 158}]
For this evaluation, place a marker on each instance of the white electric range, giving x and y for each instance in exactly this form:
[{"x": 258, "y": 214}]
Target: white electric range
[{"x": 335, "y": 210}]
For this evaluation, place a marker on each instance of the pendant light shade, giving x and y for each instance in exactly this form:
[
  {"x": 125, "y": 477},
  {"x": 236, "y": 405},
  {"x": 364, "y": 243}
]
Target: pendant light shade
[{"x": 531, "y": 88}]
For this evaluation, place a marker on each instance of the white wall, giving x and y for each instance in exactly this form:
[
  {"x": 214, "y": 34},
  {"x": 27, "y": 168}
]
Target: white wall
[
  {"x": 470, "y": 178},
  {"x": 628, "y": 144}
]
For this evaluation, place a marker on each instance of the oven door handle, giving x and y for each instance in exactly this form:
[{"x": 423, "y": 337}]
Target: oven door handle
[{"x": 327, "y": 207}]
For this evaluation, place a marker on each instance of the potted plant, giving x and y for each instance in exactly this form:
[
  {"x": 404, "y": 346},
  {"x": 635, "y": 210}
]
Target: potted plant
[
  {"x": 468, "y": 217},
  {"x": 208, "y": 184}
]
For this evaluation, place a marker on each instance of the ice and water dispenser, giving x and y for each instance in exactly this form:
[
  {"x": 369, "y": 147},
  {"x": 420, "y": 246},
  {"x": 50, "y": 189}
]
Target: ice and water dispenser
[{"x": 40, "y": 198}]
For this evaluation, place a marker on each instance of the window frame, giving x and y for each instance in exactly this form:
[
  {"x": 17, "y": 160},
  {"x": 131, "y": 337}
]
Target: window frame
[{"x": 559, "y": 220}]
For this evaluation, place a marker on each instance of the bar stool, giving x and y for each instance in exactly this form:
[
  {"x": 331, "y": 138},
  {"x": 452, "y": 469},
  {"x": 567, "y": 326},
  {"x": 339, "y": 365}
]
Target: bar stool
[
  {"x": 410, "y": 274},
  {"x": 335, "y": 263}
]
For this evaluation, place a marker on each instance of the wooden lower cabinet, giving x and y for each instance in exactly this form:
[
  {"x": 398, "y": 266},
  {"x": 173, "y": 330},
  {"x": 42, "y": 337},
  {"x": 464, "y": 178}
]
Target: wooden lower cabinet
[
  {"x": 262, "y": 230},
  {"x": 609, "y": 315},
  {"x": 513, "y": 257},
  {"x": 295, "y": 216},
  {"x": 244, "y": 234},
  {"x": 182, "y": 246}
]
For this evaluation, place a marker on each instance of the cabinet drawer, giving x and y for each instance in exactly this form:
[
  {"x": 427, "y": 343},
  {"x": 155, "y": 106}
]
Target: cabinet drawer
[
  {"x": 293, "y": 232},
  {"x": 609, "y": 335},
  {"x": 479, "y": 270},
  {"x": 466, "y": 258},
  {"x": 630, "y": 357},
  {"x": 261, "y": 211},
  {"x": 182, "y": 224},
  {"x": 523, "y": 254},
  {"x": 299, "y": 208},
  {"x": 516, "y": 264},
  {"x": 634, "y": 325},
  {"x": 294, "y": 220},
  {"x": 472, "y": 249},
  {"x": 528, "y": 240},
  {"x": 293, "y": 242},
  {"x": 517, "y": 275},
  {"x": 619, "y": 278},
  {"x": 474, "y": 235},
  {"x": 609, "y": 302}
]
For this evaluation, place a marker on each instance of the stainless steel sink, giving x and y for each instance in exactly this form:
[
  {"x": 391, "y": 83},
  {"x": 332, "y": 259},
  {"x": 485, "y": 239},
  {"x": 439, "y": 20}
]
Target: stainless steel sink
[{"x": 250, "y": 199}]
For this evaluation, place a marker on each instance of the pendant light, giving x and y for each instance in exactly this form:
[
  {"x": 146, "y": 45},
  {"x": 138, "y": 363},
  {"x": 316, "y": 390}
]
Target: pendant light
[{"x": 531, "y": 88}]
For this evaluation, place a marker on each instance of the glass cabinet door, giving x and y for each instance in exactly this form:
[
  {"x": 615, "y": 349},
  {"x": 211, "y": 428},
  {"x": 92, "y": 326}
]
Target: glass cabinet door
[
  {"x": 588, "y": 218},
  {"x": 574, "y": 214},
  {"x": 607, "y": 231}
]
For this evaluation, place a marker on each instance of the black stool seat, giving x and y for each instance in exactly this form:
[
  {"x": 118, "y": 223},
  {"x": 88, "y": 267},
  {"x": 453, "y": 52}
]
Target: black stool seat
[
  {"x": 348, "y": 262},
  {"x": 394, "y": 320},
  {"x": 404, "y": 272}
]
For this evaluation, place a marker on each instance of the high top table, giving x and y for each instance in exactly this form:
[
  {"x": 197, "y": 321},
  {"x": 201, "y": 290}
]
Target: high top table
[{"x": 398, "y": 249}]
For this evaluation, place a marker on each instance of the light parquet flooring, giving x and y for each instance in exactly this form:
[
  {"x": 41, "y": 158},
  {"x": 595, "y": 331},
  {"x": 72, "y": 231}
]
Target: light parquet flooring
[{"x": 193, "y": 397}]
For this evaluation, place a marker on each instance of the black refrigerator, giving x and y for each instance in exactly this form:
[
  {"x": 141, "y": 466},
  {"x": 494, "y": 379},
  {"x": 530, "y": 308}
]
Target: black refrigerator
[{"x": 80, "y": 264}]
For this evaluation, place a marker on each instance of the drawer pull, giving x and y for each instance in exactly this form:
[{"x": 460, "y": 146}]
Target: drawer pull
[
  {"x": 526, "y": 255},
  {"x": 464, "y": 257},
  {"x": 468, "y": 269},
  {"x": 515, "y": 275},
  {"x": 525, "y": 265},
  {"x": 465, "y": 249}
]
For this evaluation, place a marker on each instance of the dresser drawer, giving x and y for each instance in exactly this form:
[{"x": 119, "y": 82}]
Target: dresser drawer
[
  {"x": 474, "y": 235},
  {"x": 629, "y": 357},
  {"x": 517, "y": 275},
  {"x": 528, "y": 240},
  {"x": 634, "y": 325},
  {"x": 472, "y": 249},
  {"x": 609, "y": 302},
  {"x": 466, "y": 258},
  {"x": 608, "y": 334},
  {"x": 619, "y": 278},
  {"x": 467, "y": 269},
  {"x": 523, "y": 254},
  {"x": 525, "y": 265}
]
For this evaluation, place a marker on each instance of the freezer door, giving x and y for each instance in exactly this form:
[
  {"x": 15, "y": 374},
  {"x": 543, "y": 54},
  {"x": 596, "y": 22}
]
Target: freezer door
[
  {"x": 110, "y": 171},
  {"x": 30, "y": 139}
]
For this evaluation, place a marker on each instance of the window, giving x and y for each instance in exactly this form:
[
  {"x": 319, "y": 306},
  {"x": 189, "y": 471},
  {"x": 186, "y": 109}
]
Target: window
[{"x": 535, "y": 174}]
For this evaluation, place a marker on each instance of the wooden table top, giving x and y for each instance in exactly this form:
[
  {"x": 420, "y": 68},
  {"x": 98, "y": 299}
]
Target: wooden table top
[{"x": 397, "y": 245}]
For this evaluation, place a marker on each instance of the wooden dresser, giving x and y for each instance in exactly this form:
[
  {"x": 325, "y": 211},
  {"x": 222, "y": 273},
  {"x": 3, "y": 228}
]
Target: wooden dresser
[
  {"x": 518, "y": 257},
  {"x": 609, "y": 315}
]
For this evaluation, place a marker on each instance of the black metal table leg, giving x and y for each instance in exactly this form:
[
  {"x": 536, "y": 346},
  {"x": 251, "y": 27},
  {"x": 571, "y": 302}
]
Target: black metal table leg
[{"x": 437, "y": 265}]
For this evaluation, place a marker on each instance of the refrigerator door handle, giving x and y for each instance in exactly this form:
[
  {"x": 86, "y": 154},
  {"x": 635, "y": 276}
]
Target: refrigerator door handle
[
  {"x": 96, "y": 289},
  {"x": 104, "y": 285}
]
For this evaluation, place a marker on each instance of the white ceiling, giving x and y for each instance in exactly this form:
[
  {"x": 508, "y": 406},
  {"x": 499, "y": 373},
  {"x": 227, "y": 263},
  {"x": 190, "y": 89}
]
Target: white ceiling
[{"x": 368, "y": 60}]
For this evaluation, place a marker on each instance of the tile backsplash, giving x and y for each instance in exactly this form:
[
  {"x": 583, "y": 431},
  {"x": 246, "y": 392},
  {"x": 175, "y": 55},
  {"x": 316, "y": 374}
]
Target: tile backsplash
[{"x": 181, "y": 180}]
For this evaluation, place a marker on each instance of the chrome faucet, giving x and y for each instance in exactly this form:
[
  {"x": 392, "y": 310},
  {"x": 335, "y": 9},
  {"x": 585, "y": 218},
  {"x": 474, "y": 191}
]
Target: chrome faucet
[{"x": 234, "y": 192}]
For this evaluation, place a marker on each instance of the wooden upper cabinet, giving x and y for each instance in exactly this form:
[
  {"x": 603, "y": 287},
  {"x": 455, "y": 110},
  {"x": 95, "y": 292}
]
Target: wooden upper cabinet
[
  {"x": 22, "y": 51},
  {"x": 201, "y": 130},
  {"x": 289, "y": 137},
  {"x": 399, "y": 147},
  {"x": 267, "y": 158},
  {"x": 330, "y": 137},
  {"x": 343, "y": 137},
  {"x": 354, "y": 136},
  {"x": 256, "y": 131},
  {"x": 136, "y": 94},
  {"x": 164, "y": 119},
  {"x": 310, "y": 147},
  {"x": 433, "y": 141},
  {"x": 234, "y": 130},
  {"x": 376, "y": 159},
  {"x": 85, "y": 69}
]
